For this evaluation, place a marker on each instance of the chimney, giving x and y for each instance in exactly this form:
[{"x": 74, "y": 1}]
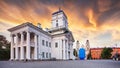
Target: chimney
[
  {"x": 39, "y": 25},
  {"x": 46, "y": 29}
]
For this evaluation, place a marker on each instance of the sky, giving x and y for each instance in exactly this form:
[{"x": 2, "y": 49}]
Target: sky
[{"x": 95, "y": 20}]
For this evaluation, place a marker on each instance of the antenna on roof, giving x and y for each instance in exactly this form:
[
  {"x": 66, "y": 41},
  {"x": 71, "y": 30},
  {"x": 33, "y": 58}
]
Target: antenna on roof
[{"x": 59, "y": 8}]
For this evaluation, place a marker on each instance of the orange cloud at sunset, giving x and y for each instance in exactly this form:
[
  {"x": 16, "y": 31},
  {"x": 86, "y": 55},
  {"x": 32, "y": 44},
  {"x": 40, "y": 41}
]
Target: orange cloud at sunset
[{"x": 96, "y": 20}]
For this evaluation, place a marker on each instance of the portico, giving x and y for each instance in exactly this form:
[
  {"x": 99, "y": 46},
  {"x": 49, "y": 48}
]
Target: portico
[{"x": 24, "y": 46}]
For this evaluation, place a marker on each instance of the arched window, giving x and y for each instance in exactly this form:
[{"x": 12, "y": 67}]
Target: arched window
[{"x": 56, "y": 24}]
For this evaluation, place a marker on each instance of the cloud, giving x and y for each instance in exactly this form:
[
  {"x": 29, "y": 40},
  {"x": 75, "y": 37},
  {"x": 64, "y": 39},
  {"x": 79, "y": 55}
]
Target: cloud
[{"x": 92, "y": 20}]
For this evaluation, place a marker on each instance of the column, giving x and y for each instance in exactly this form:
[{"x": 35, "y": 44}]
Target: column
[
  {"x": 35, "y": 50},
  {"x": 16, "y": 48},
  {"x": 28, "y": 46},
  {"x": 12, "y": 49},
  {"x": 22, "y": 47}
]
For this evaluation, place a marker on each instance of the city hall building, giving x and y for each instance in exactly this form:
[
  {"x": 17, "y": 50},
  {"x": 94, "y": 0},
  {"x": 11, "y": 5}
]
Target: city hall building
[{"x": 30, "y": 42}]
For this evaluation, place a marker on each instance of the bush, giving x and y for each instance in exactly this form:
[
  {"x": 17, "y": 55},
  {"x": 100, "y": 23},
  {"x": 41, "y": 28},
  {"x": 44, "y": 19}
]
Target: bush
[{"x": 4, "y": 54}]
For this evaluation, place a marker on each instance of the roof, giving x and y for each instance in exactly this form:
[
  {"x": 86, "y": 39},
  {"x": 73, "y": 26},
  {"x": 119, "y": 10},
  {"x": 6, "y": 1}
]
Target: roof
[
  {"x": 57, "y": 29},
  {"x": 102, "y": 48},
  {"x": 59, "y": 11},
  {"x": 66, "y": 32},
  {"x": 96, "y": 48},
  {"x": 30, "y": 25},
  {"x": 72, "y": 36}
]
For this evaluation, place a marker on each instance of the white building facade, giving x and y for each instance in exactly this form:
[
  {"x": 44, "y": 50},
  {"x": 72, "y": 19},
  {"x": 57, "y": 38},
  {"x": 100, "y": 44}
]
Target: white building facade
[{"x": 30, "y": 42}]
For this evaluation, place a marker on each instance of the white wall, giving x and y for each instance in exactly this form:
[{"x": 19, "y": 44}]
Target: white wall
[
  {"x": 62, "y": 21},
  {"x": 42, "y": 48}
]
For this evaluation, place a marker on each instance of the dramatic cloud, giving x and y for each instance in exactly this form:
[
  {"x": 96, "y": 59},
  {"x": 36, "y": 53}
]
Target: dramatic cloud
[{"x": 96, "y": 20}]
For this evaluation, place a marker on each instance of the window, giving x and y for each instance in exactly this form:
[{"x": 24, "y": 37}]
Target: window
[
  {"x": 62, "y": 44},
  {"x": 46, "y": 55},
  {"x": 49, "y": 55},
  {"x": 56, "y": 44},
  {"x": 56, "y": 20},
  {"x": 62, "y": 54},
  {"x": 69, "y": 46},
  {"x": 56, "y": 24},
  {"x": 42, "y": 42},
  {"x": 47, "y": 43},
  {"x": 43, "y": 54}
]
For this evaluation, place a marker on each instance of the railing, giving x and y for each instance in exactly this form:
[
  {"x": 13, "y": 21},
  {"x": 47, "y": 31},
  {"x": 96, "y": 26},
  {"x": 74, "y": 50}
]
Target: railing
[{"x": 31, "y": 43}]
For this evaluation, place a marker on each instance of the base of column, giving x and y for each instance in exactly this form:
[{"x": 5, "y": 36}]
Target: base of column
[
  {"x": 11, "y": 59},
  {"x": 22, "y": 59},
  {"x": 16, "y": 59},
  {"x": 35, "y": 59},
  {"x": 28, "y": 59}
]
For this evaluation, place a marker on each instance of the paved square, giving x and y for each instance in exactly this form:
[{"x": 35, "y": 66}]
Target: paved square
[{"x": 61, "y": 64}]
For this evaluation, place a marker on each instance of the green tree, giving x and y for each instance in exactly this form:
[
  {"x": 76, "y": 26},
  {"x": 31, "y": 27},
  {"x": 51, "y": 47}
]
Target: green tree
[
  {"x": 75, "y": 53},
  {"x": 106, "y": 53},
  {"x": 4, "y": 52}
]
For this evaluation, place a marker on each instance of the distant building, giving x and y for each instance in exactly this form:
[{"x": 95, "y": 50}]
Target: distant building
[
  {"x": 33, "y": 43},
  {"x": 96, "y": 52}
]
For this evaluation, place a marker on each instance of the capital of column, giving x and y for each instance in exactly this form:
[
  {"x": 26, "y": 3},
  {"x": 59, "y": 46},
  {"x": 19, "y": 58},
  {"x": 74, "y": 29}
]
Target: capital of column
[
  {"x": 28, "y": 31},
  {"x": 11, "y": 35},
  {"x": 21, "y": 32},
  {"x": 16, "y": 38}
]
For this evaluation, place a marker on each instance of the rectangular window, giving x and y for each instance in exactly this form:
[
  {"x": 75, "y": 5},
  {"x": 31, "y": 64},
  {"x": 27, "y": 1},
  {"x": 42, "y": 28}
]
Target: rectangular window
[
  {"x": 43, "y": 55},
  {"x": 62, "y": 44},
  {"x": 49, "y": 55},
  {"x": 69, "y": 46},
  {"x": 62, "y": 54},
  {"x": 46, "y": 55},
  {"x": 56, "y": 20},
  {"x": 56, "y": 45},
  {"x": 43, "y": 42},
  {"x": 47, "y": 43}
]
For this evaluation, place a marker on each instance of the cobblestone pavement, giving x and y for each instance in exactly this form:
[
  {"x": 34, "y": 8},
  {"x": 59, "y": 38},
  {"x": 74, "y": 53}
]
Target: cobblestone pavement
[{"x": 61, "y": 64}]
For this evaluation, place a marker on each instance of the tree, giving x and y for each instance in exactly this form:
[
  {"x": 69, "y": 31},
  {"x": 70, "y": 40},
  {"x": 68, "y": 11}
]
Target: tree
[
  {"x": 75, "y": 53},
  {"x": 4, "y": 52},
  {"x": 89, "y": 55},
  {"x": 106, "y": 53}
]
